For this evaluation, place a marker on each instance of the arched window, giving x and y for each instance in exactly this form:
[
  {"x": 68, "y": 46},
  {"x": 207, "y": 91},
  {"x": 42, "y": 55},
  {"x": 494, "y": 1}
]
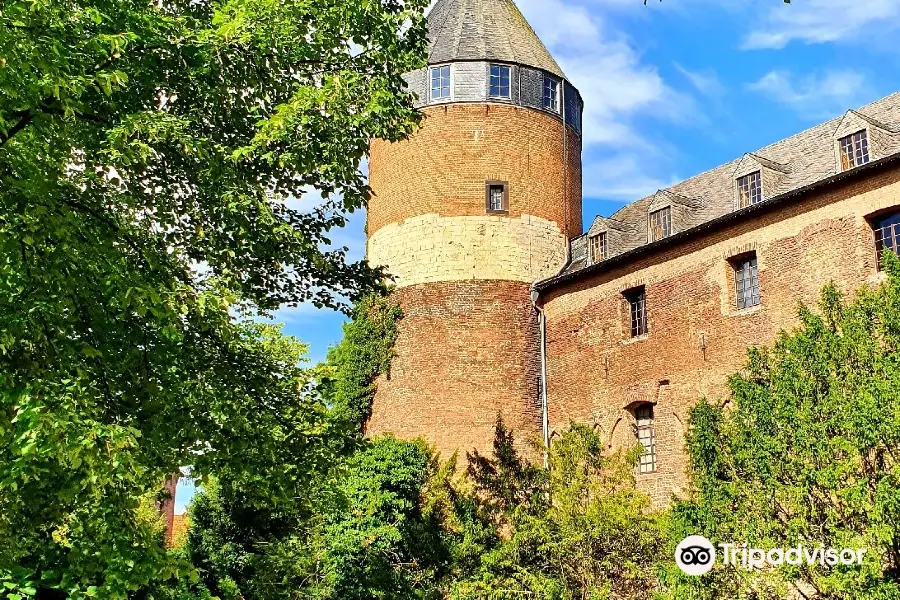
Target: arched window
[
  {"x": 887, "y": 233},
  {"x": 646, "y": 436}
]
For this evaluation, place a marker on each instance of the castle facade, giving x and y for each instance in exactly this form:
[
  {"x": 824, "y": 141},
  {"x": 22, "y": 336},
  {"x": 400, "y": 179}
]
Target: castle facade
[{"x": 510, "y": 308}]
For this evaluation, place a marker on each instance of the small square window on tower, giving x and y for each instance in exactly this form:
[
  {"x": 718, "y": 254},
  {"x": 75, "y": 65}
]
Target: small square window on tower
[
  {"x": 749, "y": 189},
  {"x": 637, "y": 308},
  {"x": 746, "y": 281},
  {"x": 440, "y": 82},
  {"x": 497, "y": 196},
  {"x": 551, "y": 94},
  {"x": 500, "y": 77},
  {"x": 598, "y": 247},
  {"x": 646, "y": 437},
  {"x": 854, "y": 150},
  {"x": 660, "y": 223}
]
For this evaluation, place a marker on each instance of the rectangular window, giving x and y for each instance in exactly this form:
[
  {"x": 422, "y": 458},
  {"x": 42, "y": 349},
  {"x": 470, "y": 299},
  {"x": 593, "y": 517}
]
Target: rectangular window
[
  {"x": 440, "y": 82},
  {"x": 854, "y": 150},
  {"x": 749, "y": 189},
  {"x": 598, "y": 247},
  {"x": 500, "y": 76},
  {"x": 646, "y": 437},
  {"x": 551, "y": 94},
  {"x": 660, "y": 224},
  {"x": 497, "y": 196},
  {"x": 887, "y": 234},
  {"x": 746, "y": 282},
  {"x": 637, "y": 305}
]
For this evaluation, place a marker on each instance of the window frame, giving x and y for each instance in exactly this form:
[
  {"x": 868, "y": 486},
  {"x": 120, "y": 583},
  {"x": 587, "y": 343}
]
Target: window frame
[
  {"x": 667, "y": 210},
  {"x": 749, "y": 186},
  {"x": 745, "y": 271},
  {"x": 552, "y": 86},
  {"x": 499, "y": 95},
  {"x": 638, "y": 317},
  {"x": 602, "y": 241},
  {"x": 647, "y": 463},
  {"x": 431, "y": 80},
  {"x": 854, "y": 153},
  {"x": 488, "y": 187},
  {"x": 891, "y": 229}
]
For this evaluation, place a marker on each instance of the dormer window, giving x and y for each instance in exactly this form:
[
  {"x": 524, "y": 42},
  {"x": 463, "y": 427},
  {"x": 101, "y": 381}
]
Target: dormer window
[
  {"x": 598, "y": 247},
  {"x": 854, "y": 150},
  {"x": 749, "y": 189},
  {"x": 660, "y": 223},
  {"x": 440, "y": 82},
  {"x": 500, "y": 77},
  {"x": 551, "y": 94}
]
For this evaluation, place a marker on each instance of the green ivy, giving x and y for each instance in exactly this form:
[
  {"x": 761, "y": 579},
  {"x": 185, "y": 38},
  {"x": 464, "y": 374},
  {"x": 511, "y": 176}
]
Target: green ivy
[{"x": 365, "y": 353}]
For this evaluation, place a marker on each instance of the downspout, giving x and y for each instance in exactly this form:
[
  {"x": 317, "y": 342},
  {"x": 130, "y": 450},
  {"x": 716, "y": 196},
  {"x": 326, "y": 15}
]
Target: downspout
[{"x": 542, "y": 328}]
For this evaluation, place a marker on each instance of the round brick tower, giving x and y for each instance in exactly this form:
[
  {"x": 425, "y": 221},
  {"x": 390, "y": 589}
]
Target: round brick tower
[{"x": 465, "y": 215}]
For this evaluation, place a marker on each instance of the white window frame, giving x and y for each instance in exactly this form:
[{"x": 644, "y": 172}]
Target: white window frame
[
  {"x": 431, "y": 70},
  {"x": 490, "y": 80},
  {"x": 555, "y": 93}
]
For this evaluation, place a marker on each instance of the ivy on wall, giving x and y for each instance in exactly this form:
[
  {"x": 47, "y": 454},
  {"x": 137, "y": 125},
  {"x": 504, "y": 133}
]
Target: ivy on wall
[{"x": 361, "y": 357}]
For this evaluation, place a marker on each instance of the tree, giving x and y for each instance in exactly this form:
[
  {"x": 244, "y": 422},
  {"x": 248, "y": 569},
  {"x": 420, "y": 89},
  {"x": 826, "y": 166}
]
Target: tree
[
  {"x": 380, "y": 530},
  {"x": 806, "y": 453},
  {"x": 579, "y": 530},
  {"x": 146, "y": 153}
]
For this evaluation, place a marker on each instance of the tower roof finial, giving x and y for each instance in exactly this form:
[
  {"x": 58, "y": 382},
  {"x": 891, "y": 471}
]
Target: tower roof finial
[{"x": 462, "y": 30}]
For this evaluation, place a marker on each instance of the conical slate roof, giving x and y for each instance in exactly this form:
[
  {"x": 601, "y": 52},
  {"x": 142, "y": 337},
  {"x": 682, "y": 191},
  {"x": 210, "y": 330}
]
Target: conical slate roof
[{"x": 460, "y": 30}]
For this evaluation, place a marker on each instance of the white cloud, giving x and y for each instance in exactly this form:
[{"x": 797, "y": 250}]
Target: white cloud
[
  {"x": 618, "y": 89},
  {"x": 815, "y": 96},
  {"x": 622, "y": 177},
  {"x": 706, "y": 82},
  {"x": 818, "y": 21}
]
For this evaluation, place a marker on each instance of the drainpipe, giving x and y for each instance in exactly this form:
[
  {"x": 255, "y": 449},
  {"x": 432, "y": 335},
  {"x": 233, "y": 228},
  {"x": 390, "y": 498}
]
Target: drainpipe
[{"x": 542, "y": 327}]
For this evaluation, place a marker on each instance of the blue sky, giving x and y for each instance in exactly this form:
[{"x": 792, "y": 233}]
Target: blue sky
[{"x": 677, "y": 87}]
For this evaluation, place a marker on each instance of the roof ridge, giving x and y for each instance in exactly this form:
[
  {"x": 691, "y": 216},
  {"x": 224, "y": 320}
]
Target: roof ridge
[{"x": 768, "y": 148}]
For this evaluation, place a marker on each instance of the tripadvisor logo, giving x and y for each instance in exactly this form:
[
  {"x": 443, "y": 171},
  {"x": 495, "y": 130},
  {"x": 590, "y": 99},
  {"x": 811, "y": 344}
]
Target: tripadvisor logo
[{"x": 696, "y": 555}]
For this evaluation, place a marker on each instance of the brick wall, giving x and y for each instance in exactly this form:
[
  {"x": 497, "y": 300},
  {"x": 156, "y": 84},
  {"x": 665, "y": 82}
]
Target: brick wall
[
  {"x": 466, "y": 351},
  {"x": 696, "y": 335},
  {"x": 468, "y": 343},
  {"x": 443, "y": 167}
]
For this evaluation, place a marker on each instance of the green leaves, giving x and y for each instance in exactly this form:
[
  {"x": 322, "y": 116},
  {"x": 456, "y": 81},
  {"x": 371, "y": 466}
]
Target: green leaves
[
  {"x": 807, "y": 452},
  {"x": 147, "y": 155}
]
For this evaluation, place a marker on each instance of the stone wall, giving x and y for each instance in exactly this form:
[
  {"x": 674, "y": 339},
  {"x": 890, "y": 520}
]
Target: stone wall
[
  {"x": 697, "y": 337},
  {"x": 434, "y": 248}
]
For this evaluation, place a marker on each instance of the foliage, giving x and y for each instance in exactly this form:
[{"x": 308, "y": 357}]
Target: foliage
[
  {"x": 807, "y": 454},
  {"x": 146, "y": 153},
  {"x": 383, "y": 533},
  {"x": 577, "y": 530},
  {"x": 364, "y": 353}
]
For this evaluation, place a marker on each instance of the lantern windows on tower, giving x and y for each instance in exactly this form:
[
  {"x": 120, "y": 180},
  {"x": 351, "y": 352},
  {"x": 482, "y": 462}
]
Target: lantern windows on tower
[
  {"x": 551, "y": 94},
  {"x": 497, "y": 197},
  {"x": 440, "y": 82},
  {"x": 500, "y": 78}
]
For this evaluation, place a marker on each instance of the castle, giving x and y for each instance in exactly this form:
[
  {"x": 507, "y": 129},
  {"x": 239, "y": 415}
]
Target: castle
[{"x": 510, "y": 308}]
